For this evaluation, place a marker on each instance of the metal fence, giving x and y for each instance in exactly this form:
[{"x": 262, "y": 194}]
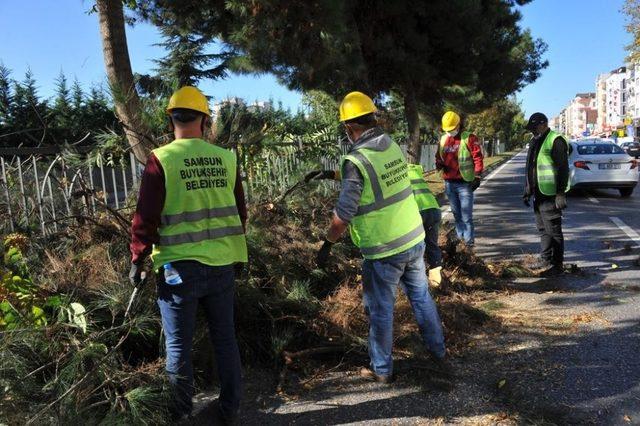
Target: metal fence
[{"x": 42, "y": 188}]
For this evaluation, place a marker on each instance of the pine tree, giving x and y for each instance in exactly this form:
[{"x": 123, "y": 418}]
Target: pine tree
[
  {"x": 6, "y": 100},
  {"x": 186, "y": 62},
  {"x": 467, "y": 52},
  {"x": 29, "y": 113}
]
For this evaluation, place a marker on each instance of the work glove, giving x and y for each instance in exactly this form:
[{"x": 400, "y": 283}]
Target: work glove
[
  {"x": 237, "y": 269},
  {"x": 435, "y": 276},
  {"x": 561, "y": 201},
  {"x": 475, "y": 184},
  {"x": 135, "y": 273},
  {"x": 323, "y": 254},
  {"x": 319, "y": 175},
  {"x": 525, "y": 200}
]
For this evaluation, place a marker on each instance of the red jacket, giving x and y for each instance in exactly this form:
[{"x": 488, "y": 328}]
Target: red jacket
[
  {"x": 448, "y": 161},
  {"x": 146, "y": 221}
]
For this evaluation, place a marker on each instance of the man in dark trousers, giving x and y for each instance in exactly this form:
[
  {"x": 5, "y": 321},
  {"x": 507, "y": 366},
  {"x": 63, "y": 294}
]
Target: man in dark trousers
[
  {"x": 547, "y": 173},
  {"x": 190, "y": 219}
]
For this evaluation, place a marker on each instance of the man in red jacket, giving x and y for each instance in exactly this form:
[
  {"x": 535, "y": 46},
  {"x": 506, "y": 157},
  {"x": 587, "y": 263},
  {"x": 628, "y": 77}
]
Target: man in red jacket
[{"x": 460, "y": 159}]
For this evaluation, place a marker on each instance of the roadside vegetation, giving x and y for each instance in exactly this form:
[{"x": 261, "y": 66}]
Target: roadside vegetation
[{"x": 67, "y": 350}]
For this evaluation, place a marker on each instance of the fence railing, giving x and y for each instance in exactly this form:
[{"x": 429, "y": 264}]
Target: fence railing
[{"x": 42, "y": 187}]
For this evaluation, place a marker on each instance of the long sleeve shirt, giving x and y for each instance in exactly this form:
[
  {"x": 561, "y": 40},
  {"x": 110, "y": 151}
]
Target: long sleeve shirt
[
  {"x": 352, "y": 181},
  {"x": 559, "y": 155},
  {"x": 447, "y": 161},
  {"x": 146, "y": 220}
]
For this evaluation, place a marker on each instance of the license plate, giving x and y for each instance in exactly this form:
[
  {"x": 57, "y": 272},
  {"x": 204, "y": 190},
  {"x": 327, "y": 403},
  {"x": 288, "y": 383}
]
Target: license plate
[{"x": 608, "y": 166}]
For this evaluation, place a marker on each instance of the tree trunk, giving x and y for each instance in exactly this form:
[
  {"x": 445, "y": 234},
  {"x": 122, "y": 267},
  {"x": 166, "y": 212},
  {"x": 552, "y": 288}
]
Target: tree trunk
[
  {"x": 414, "y": 148},
  {"x": 116, "y": 60}
]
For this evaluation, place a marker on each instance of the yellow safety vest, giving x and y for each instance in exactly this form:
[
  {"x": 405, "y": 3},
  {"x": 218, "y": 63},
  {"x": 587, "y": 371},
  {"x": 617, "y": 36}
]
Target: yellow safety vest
[
  {"x": 199, "y": 220},
  {"x": 465, "y": 161},
  {"x": 423, "y": 195},
  {"x": 387, "y": 221}
]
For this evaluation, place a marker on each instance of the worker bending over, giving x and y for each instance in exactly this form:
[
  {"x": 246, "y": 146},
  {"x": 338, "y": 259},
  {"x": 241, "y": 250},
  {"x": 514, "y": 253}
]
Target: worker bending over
[{"x": 376, "y": 203}]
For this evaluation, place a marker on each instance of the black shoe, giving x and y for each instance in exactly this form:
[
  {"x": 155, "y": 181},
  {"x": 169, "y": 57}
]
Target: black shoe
[
  {"x": 371, "y": 375},
  {"x": 223, "y": 418},
  {"x": 442, "y": 365},
  {"x": 553, "y": 271}
]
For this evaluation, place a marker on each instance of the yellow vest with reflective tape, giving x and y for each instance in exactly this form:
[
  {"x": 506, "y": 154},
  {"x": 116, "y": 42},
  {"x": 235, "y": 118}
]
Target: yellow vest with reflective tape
[
  {"x": 387, "y": 221},
  {"x": 423, "y": 195},
  {"x": 465, "y": 161},
  {"x": 199, "y": 220},
  {"x": 545, "y": 169}
]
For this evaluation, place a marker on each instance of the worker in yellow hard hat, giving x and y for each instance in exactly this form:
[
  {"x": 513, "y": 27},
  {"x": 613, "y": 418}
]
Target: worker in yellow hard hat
[
  {"x": 377, "y": 204},
  {"x": 190, "y": 219},
  {"x": 459, "y": 158}
]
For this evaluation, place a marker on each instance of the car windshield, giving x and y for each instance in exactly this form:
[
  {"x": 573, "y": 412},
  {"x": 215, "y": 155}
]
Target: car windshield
[
  {"x": 632, "y": 144},
  {"x": 599, "y": 148}
]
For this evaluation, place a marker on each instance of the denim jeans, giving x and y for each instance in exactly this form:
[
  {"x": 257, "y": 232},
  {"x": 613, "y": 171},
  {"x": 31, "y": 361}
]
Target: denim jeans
[
  {"x": 431, "y": 221},
  {"x": 460, "y": 198},
  {"x": 380, "y": 282},
  {"x": 212, "y": 287}
]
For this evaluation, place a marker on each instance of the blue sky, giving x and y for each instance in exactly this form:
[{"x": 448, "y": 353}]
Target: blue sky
[{"x": 585, "y": 37}]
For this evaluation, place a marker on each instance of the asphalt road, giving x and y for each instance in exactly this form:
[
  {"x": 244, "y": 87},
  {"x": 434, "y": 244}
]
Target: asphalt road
[
  {"x": 585, "y": 373},
  {"x": 599, "y": 378}
]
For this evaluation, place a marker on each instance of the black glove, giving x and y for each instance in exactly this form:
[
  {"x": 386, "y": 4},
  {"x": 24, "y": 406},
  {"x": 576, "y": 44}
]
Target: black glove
[
  {"x": 237, "y": 269},
  {"x": 525, "y": 200},
  {"x": 475, "y": 184},
  {"x": 135, "y": 274},
  {"x": 561, "y": 201},
  {"x": 319, "y": 175},
  {"x": 323, "y": 254}
]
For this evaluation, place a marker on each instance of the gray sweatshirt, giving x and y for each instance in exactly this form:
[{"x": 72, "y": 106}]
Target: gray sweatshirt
[{"x": 352, "y": 179}]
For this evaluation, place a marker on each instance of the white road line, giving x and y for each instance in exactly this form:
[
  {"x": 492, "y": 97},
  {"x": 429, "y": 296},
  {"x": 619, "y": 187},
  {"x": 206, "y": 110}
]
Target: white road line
[
  {"x": 593, "y": 200},
  {"x": 633, "y": 235}
]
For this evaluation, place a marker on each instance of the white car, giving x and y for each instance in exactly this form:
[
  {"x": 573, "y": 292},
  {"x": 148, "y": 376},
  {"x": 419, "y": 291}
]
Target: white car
[{"x": 598, "y": 163}]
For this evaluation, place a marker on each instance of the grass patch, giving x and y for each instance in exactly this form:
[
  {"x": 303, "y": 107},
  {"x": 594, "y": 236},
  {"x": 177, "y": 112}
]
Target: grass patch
[{"x": 492, "y": 306}]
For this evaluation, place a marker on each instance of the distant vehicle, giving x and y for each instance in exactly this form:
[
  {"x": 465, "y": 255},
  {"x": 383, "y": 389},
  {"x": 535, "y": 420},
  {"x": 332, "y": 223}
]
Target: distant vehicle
[
  {"x": 631, "y": 148},
  {"x": 599, "y": 163},
  {"x": 624, "y": 139}
]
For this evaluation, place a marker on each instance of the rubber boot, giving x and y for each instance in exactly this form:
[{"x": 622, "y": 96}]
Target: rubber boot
[{"x": 435, "y": 276}]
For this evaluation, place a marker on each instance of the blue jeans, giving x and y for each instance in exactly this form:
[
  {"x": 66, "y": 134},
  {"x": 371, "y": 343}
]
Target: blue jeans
[
  {"x": 380, "y": 282},
  {"x": 460, "y": 198},
  {"x": 431, "y": 221},
  {"x": 212, "y": 287}
]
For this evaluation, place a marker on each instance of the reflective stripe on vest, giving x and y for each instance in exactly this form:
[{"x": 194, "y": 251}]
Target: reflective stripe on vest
[
  {"x": 199, "y": 220},
  {"x": 465, "y": 160},
  {"x": 380, "y": 202},
  {"x": 545, "y": 169},
  {"x": 387, "y": 221},
  {"x": 423, "y": 195}
]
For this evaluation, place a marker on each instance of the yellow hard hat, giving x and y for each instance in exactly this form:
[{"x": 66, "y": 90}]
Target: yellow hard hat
[
  {"x": 356, "y": 104},
  {"x": 188, "y": 97},
  {"x": 450, "y": 121}
]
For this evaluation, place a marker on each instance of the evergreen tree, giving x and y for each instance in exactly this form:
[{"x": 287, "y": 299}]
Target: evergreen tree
[
  {"x": 186, "y": 62},
  {"x": 61, "y": 112},
  {"x": 469, "y": 52},
  {"x": 29, "y": 113},
  {"x": 6, "y": 99}
]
